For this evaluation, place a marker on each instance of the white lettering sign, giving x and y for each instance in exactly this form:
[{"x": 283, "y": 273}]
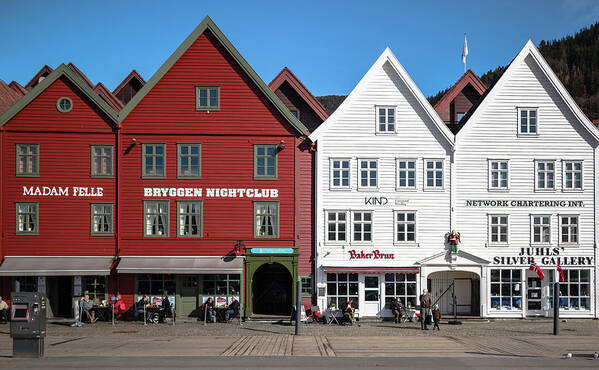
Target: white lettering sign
[
  {"x": 211, "y": 193},
  {"x": 60, "y": 191}
]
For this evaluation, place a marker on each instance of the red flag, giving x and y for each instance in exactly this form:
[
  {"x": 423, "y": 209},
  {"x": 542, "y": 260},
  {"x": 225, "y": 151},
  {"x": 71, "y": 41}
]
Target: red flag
[
  {"x": 562, "y": 276},
  {"x": 534, "y": 267}
]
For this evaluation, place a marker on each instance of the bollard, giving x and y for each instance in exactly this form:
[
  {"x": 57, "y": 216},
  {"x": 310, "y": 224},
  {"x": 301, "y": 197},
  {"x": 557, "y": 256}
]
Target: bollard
[
  {"x": 556, "y": 308},
  {"x": 298, "y": 307}
]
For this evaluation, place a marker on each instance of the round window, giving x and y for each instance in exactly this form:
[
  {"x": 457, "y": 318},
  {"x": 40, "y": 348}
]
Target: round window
[{"x": 64, "y": 105}]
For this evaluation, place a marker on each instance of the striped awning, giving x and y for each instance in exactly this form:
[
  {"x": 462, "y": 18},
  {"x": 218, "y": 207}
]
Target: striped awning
[{"x": 371, "y": 270}]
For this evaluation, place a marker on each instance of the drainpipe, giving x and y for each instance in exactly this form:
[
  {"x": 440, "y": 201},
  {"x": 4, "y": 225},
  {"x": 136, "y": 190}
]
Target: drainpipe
[{"x": 118, "y": 198}]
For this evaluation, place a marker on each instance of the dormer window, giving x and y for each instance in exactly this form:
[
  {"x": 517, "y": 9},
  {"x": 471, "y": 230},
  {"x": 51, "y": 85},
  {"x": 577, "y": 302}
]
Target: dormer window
[
  {"x": 527, "y": 121},
  {"x": 207, "y": 98},
  {"x": 385, "y": 120}
]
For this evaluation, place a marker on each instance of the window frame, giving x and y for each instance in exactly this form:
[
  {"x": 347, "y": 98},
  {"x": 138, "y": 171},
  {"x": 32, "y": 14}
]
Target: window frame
[
  {"x": 278, "y": 220},
  {"x": 565, "y": 285},
  {"x": 398, "y": 187},
  {"x": 396, "y": 241},
  {"x": 499, "y": 188},
  {"x": 207, "y": 108},
  {"x": 397, "y": 281},
  {"x": 93, "y": 156},
  {"x": 359, "y": 174},
  {"x": 59, "y": 108},
  {"x": 424, "y": 180},
  {"x": 378, "y": 131},
  {"x": 353, "y": 223},
  {"x": 331, "y": 178},
  {"x": 266, "y": 177},
  {"x": 168, "y": 216},
  {"x": 532, "y": 230},
  {"x": 498, "y": 243},
  {"x": 307, "y": 276},
  {"x": 519, "y": 126},
  {"x": 564, "y": 171},
  {"x": 561, "y": 224},
  {"x": 511, "y": 282},
  {"x": 179, "y": 172},
  {"x": 37, "y": 219},
  {"x": 545, "y": 171},
  {"x": 143, "y": 161},
  {"x": 201, "y": 214},
  {"x": 36, "y": 173},
  {"x": 347, "y": 281},
  {"x": 92, "y": 225},
  {"x": 347, "y": 226}
]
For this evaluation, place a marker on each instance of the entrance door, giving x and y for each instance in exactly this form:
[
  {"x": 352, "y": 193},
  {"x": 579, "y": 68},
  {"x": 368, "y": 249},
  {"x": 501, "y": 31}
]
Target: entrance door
[
  {"x": 533, "y": 296},
  {"x": 463, "y": 296},
  {"x": 59, "y": 292},
  {"x": 272, "y": 290},
  {"x": 190, "y": 301},
  {"x": 372, "y": 296}
]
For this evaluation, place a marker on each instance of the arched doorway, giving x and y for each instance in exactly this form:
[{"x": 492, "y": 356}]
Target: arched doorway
[
  {"x": 466, "y": 289},
  {"x": 272, "y": 290}
]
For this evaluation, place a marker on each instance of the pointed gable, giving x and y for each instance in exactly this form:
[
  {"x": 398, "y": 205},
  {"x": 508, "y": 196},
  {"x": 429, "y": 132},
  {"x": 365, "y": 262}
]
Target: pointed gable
[
  {"x": 460, "y": 98},
  {"x": 17, "y": 87},
  {"x": 108, "y": 97},
  {"x": 130, "y": 86},
  {"x": 8, "y": 97},
  {"x": 39, "y": 76}
]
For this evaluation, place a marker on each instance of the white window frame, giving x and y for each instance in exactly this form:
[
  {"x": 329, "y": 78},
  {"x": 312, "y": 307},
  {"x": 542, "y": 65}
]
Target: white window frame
[
  {"x": 512, "y": 282},
  {"x": 424, "y": 169},
  {"x": 532, "y": 229},
  {"x": 348, "y": 229},
  {"x": 359, "y": 175},
  {"x": 353, "y": 223},
  {"x": 527, "y": 134},
  {"x": 498, "y": 243},
  {"x": 386, "y": 124},
  {"x": 340, "y": 187},
  {"x": 569, "y": 243},
  {"x": 499, "y": 170},
  {"x": 564, "y": 179},
  {"x": 396, "y": 224},
  {"x": 536, "y": 164},
  {"x": 398, "y": 187}
]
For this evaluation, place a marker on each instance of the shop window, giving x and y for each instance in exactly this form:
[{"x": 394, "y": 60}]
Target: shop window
[
  {"x": 568, "y": 230},
  {"x": 498, "y": 229},
  {"x": 27, "y": 218},
  {"x": 368, "y": 173},
  {"x": 207, "y": 98},
  {"x": 266, "y": 219},
  {"x": 506, "y": 289},
  {"x": 528, "y": 121},
  {"x": 545, "y": 175},
  {"x": 362, "y": 226},
  {"x": 189, "y": 161},
  {"x": 498, "y": 174},
  {"x": 27, "y": 160},
  {"x": 101, "y": 218},
  {"x": 541, "y": 229},
  {"x": 95, "y": 286},
  {"x": 265, "y": 161},
  {"x": 25, "y": 284},
  {"x": 405, "y": 227},
  {"x": 575, "y": 292},
  {"x": 434, "y": 174},
  {"x": 307, "y": 286},
  {"x": 189, "y": 215},
  {"x": 156, "y": 284},
  {"x": 336, "y": 226},
  {"x": 340, "y": 174},
  {"x": 385, "y": 118},
  {"x": 406, "y": 174},
  {"x": 340, "y": 288},
  {"x": 101, "y": 160},
  {"x": 220, "y": 285},
  {"x": 153, "y": 160},
  {"x": 156, "y": 215},
  {"x": 572, "y": 175},
  {"x": 402, "y": 286}
]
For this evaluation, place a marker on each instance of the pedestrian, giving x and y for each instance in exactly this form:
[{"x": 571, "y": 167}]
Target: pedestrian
[
  {"x": 425, "y": 309},
  {"x": 436, "y": 316},
  {"x": 398, "y": 309}
]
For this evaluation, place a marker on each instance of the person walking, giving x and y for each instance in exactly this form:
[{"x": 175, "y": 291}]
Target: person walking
[
  {"x": 436, "y": 317},
  {"x": 425, "y": 309}
]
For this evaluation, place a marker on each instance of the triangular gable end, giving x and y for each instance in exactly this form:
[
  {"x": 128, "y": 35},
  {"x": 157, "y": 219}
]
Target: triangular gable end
[
  {"x": 448, "y": 258},
  {"x": 74, "y": 78},
  {"x": 208, "y": 24},
  {"x": 468, "y": 78},
  {"x": 388, "y": 56},
  {"x": 35, "y": 80},
  {"x": 287, "y": 76},
  {"x": 530, "y": 49},
  {"x": 132, "y": 75}
]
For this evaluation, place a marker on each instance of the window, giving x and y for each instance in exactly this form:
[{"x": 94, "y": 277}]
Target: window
[
  {"x": 528, "y": 121},
  {"x": 25, "y": 284},
  {"x": 307, "y": 287},
  {"x": 498, "y": 175},
  {"x": 575, "y": 292},
  {"x": 265, "y": 161},
  {"x": 101, "y": 160},
  {"x": 405, "y": 227},
  {"x": 155, "y": 284},
  {"x": 336, "y": 226},
  {"x": 207, "y": 98},
  {"x": 153, "y": 160},
  {"x": 498, "y": 229},
  {"x": 266, "y": 216},
  {"x": 101, "y": 218},
  {"x": 434, "y": 174},
  {"x": 189, "y": 214},
  {"x": 460, "y": 116},
  {"x": 27, "y": 160},
  {"x": 385, "y": 120},
  {"x": 156, "y": 214},
  {"x": 340, "y": 288},
  {"x": 95, "y": 286},
  {"x": 64, "y": 105},
  {"x": 402, "y": 286},
  {"x": 368, "y": 173},
  {"x": 545, "y": 175},
  {"x": 569, "y": 229},
  {"x": 541, "y": 229},
  {"x": 189, "y": 161},
  {"x": 340, "y": 173},
  {"x": 572, "y": 175},
  {"x": 363, "y": 226},
  {"x": 506, "y": 289},
  {"x": 295, "y": 113},
  {"x": 27, "y": 218},
  {"x": 221, "y": 285},
  {"x": 406, "y": 174}
]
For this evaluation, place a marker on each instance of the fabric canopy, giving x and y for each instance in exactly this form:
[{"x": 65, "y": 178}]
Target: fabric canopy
[
  {"x": 180, "y": 265},
  {"x": 371, "y": 270},
  {"x": 55, "y": 266}
]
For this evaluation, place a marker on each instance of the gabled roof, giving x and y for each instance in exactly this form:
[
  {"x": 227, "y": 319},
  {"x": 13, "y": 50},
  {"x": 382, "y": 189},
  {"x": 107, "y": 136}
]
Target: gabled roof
[
  {"x": 208, "y": 25},
  {"x": 81, "y": 74},
  {"x": 388, "y": 56},
  {"x": 8, "y": 96},
  {"x": 36, "y": 79},
  {"x": 108, "y": 97},
  {"x": 74, "y": 78},
  {"x": 467, "y": 78},
  {"x": 132, "y": 75},
  {"x": 17, "y": 87},
  {"x": 287, "y": 76}
]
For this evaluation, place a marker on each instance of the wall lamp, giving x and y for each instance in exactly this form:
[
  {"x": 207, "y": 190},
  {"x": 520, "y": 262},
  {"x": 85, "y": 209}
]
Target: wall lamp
[{"x": 282, "y": 145}]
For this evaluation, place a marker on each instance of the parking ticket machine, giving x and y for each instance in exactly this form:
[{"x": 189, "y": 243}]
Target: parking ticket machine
[{"x": 28, "y": 323}]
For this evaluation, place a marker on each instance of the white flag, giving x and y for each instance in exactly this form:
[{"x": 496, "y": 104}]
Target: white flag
[{"x": 465, "y": 50}]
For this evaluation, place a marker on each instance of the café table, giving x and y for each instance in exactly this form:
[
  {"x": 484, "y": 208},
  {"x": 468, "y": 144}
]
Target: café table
[
  {"x": 410, "y": 313},
  {"x": 332, "y": 315},
  {"x": 103, "y": 313}
]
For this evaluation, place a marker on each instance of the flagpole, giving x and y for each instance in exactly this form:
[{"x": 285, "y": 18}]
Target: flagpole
[{"x": 556, "y": 307}]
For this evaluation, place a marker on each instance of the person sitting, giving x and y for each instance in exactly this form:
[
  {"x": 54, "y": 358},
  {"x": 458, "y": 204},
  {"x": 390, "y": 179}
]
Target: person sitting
[
  {"x": 167, "y": 310},
  {"x": 119, "y": 306},
  {"x": 209, "y": 311},
  {"x": 142, "y": 305},
  {"x": 348, "y": 311},
  {"x": 398, "y": 309},
  {"x": 3, "y": 311},
  {"x": 232, "y": 310},
  {"x": 87, "y": 307}
]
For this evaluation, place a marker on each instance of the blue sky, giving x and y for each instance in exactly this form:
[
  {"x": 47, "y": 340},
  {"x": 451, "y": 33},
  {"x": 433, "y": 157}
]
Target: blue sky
[{"x": 329, "y": 45}]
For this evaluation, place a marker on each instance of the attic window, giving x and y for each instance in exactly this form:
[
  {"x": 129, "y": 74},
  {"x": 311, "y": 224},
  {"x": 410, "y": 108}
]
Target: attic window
[
  {"x": 64, "y": 105},
  {"x": 207, "y": 98}
]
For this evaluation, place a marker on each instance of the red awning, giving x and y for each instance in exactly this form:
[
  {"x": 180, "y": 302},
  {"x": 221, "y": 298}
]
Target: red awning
[{"x": 372, "y": 270}]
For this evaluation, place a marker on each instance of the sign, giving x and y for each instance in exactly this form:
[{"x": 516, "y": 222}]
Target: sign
[
  {"x": 374, "y": 255},
  {"x": 272, "y": 250},
  {"x": 77, "y": 286},
  {"x": 544, "y": 256},
  {"x": 211, "y": 192},
  {"x": 41, "y": 284},
  {"x": 524, "y": 203},
  {"x": 59, "y": 191}
]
